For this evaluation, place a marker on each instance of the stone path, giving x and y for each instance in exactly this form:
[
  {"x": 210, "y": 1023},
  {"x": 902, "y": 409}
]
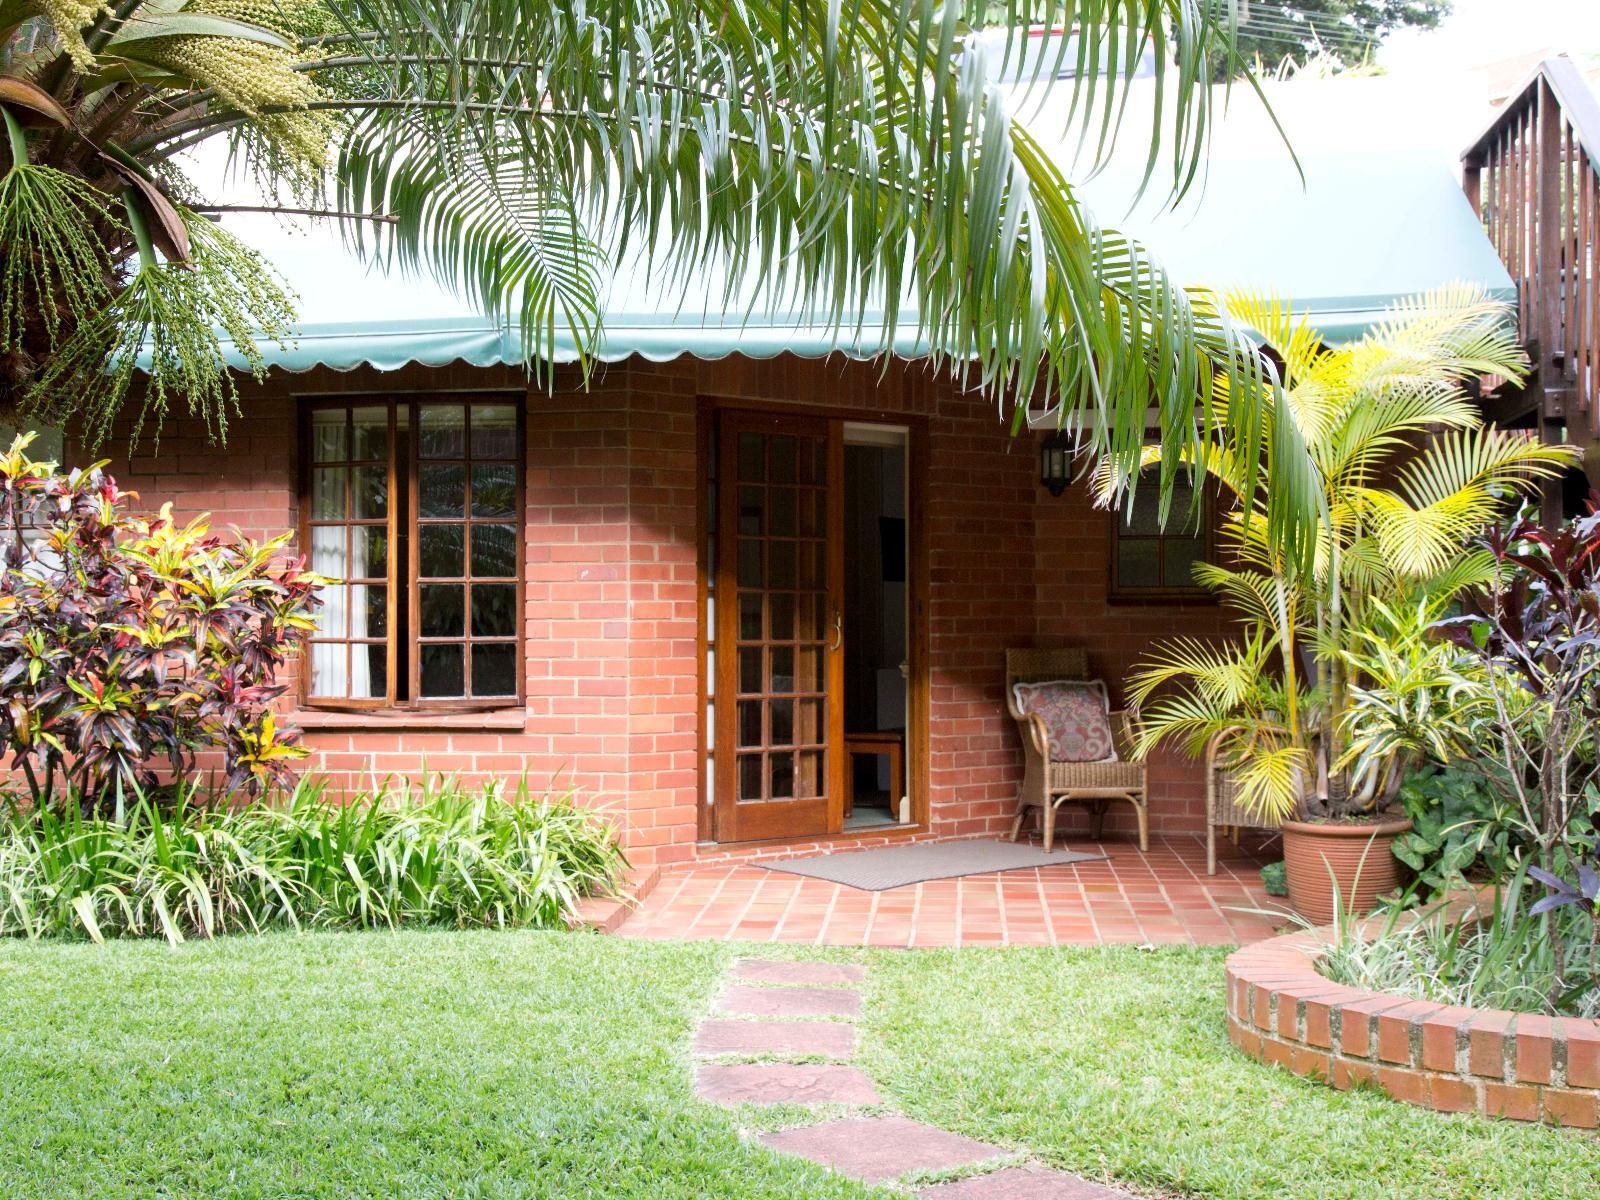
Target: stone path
[{"x": 778, "y": 1013}]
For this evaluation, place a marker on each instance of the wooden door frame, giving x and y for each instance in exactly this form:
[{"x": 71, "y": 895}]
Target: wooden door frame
[{"x": 707, "y": 408}]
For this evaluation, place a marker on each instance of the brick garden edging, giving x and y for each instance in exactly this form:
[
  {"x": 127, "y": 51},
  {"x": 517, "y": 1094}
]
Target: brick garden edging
[{"x": 1521, "y": 1066}]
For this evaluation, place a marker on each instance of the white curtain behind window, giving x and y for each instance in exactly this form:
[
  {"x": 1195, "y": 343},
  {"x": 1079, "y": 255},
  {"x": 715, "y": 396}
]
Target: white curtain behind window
[{"x": 344, "y": 615}]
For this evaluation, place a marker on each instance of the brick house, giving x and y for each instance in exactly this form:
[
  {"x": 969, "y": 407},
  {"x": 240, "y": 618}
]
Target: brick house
[{"x": 560, "y": 578}]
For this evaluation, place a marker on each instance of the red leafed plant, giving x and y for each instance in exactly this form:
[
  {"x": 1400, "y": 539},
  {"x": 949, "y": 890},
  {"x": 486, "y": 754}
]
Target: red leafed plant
[{"x": 129, "y": 647}]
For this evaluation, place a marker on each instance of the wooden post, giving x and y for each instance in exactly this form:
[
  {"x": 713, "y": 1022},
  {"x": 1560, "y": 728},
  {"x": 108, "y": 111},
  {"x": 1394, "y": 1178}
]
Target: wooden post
[
  {"x": 1472, "y": 181},
  {"x": 1546, "y": 251}
]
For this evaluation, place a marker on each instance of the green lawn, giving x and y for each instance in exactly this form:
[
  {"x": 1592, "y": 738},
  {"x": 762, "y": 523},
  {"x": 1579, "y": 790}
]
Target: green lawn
[
  {"x": 489, "y": 1066},
  {"x": 1115, "y": 1063},
  {"x": 476, "y": 1066}
]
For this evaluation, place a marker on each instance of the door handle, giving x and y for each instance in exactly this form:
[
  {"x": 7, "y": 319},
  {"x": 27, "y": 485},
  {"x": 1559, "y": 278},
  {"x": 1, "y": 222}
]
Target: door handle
[{"x": 838, "y": 630}]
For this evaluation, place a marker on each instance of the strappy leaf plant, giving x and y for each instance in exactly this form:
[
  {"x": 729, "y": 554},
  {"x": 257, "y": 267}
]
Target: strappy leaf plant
[
  {"x": 1406, "y": 473},
  {"x": 852, "y": 159}
]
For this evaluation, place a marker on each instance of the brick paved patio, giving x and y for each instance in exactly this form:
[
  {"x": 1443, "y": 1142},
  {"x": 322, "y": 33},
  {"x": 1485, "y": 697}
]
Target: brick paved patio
[{"x": 1162, "y": 897}]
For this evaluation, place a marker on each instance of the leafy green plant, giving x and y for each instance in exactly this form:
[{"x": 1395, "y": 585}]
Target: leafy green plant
[
  {"x": 1277, "y": 700},
  {"x": 1464, "y": 826},
  {"x": 1275, "y": 878},
  {"x": 129, "y": 647},
  {"x": 1534, "y": 638},
  {"x": 440, "y": 854},
  {"x": 1480, "y": 955}
]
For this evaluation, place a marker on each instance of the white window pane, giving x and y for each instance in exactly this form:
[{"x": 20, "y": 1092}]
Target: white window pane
[{"x": 328, "y": 674}]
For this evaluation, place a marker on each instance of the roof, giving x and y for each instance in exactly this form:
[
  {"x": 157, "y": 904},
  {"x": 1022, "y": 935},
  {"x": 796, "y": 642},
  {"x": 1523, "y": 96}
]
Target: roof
[{"x": 1380, "y": 215}]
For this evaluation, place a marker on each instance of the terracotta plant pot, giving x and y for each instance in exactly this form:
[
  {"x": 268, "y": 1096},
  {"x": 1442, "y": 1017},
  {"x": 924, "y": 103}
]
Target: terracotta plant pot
[{"x": 1359, "y": 859}]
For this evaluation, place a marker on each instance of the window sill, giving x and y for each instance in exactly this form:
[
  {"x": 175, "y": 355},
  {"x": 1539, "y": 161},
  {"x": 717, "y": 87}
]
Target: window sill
[
  {"x": 512, "y": 720},
  {"x": 1173, "y": 596}
]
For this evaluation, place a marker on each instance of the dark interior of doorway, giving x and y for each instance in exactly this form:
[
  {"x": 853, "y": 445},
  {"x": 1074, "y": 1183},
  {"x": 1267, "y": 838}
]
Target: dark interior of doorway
[{"x": 875, "y": 626}]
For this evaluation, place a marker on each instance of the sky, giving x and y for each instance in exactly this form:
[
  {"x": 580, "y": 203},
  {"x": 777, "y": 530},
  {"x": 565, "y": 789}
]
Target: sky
[{"x": 1480, "y": 32}]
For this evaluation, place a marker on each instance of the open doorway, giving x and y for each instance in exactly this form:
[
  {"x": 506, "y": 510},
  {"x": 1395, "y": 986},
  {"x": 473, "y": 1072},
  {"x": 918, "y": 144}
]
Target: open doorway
[
  {"x": 876, "y": 626},
  {"x": 812, "y": 626}
]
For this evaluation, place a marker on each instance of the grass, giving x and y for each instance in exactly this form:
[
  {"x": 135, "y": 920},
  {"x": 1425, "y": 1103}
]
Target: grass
[
  {"x": 477, "y": 1065},
  {"x": 422, "y": 1065},
  {"x": 1115, "y": 1063}
]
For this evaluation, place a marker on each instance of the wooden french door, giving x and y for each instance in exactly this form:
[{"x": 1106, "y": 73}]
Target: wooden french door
[{"x": 777, "y": 673}]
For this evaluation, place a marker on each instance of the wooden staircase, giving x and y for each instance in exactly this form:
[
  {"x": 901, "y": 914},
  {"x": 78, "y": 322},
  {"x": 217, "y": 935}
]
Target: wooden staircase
[{"x": 1534, "y": 178}]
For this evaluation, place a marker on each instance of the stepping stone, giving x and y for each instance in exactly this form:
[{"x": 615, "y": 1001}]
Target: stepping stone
[
  {"x": 878, "y": 1148},
  {"x": 769, "y": 970},
  {"x": 791, "y": 1001},
  {"x": 828, "y": 1039},
  {"x": 1023, "y": 1183},
  {"x": 783, "y": 1083}
]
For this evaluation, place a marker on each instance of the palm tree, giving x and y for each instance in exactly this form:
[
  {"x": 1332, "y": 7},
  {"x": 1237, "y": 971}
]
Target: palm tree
[
  {"x": 853, "y": 156},
  {"x": 1406, "y": 473}
]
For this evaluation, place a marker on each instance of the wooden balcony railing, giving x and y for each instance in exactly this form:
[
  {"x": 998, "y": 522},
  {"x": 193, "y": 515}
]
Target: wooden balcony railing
[{"x": 1534, "y": 178}]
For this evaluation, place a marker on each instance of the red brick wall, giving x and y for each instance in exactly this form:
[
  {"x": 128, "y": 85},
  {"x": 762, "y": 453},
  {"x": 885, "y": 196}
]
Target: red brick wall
[
  {"x": 1073, "y": 608},
  {"x": 610, "y": 626}
]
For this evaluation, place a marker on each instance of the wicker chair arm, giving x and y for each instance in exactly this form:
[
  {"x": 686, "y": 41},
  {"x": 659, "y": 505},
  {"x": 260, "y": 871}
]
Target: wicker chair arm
[
  {"x": 1214, "y": 743},
  {"x": 1125, "y": 730},
  {"x": 1034, "y": 732}
]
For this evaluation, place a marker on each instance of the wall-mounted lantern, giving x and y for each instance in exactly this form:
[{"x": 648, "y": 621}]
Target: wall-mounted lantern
[{"x": 1055, "y": 462}]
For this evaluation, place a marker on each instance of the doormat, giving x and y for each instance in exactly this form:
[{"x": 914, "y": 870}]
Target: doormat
[{"x": 895, "y": 866}]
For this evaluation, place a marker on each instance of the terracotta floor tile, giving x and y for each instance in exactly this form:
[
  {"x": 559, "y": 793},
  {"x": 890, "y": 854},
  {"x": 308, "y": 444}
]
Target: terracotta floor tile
[{"x": 1163, "y": 897}]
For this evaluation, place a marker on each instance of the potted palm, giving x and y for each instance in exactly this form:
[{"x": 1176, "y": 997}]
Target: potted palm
[{"x": 1407, "y": 471}]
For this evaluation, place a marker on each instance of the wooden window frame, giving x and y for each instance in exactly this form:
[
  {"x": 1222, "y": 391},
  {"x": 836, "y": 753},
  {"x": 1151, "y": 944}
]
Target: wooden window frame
[
  {"x": 407, "y": 575},
  {"x": 1188, "y": 593}
]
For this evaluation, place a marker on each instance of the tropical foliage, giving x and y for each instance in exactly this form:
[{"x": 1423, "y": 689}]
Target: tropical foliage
[
  {"x": 1465, "y": 826},
  {"x": 442, "y": 854},
  {"x": 1534, "y": 637},
  {"x": 1406, "y": 472},
  {"x": 1531, "y": 647},
  {"x": 129, "y": 647},
  {"x": 1494, "y": 952},
  {"x": 851, "y": 159}
]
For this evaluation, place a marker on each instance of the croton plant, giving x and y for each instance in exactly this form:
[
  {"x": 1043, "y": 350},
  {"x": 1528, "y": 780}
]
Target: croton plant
[{"x": 131, "y": 647}]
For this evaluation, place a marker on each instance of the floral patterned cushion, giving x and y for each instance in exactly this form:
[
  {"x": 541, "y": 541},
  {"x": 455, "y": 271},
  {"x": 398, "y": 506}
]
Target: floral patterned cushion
[{"x": 1076, "y": 717}]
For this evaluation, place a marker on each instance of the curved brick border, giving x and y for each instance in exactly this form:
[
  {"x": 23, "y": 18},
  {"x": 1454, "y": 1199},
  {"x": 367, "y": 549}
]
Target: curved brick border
[{"x": 1489, "y": 1061}]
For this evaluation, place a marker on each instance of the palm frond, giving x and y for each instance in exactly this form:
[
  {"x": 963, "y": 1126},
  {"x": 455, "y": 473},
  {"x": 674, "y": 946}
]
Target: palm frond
[
  {"x": 485, "y": 223},
  {"x": 1455, "y": 332},
  {"x": 1271, "y": 779}
]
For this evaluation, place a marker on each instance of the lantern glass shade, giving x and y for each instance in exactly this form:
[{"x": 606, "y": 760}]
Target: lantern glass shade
[{"x": 1055, "y": 463}]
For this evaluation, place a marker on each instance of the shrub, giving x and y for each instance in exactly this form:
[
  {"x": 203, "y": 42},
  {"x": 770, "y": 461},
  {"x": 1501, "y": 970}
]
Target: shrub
[
  {"x": 439, "y": 855},
  {"x": 1464, "y": 823},
  {"x": 1275, "y": 878},
  {"x": 1536, "y": 640},
  {"x": 128, "y": 647}
]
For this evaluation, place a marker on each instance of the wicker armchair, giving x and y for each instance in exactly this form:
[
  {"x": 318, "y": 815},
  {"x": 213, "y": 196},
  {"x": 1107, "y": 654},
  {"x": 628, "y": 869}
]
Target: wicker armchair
[
  {"x": 1048, "y": 785},
  {"x": 1223, "y": 810}
]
